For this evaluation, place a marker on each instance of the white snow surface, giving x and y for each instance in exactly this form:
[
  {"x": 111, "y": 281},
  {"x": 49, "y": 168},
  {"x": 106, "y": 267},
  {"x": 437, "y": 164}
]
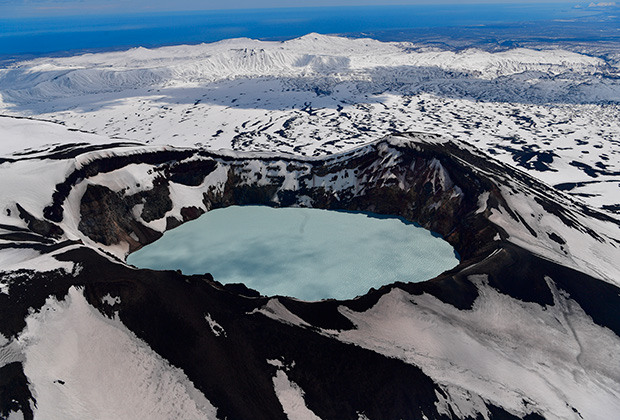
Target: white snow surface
[
  {"x": 30, "y": 183},
  {"x": 10, "y": 351},
  {"x": 495, "y": 353},
  {"x": 216, "y": 328},
  {"x": 28, "y": 259},
  {"x": 32, "y": 136},
  {"x": 314, "y": 96},
  {"x": 597, "y": 256},
  {"x": 542, "y": 110},
  {"x": 108, "y": 299},
  {"x": 81, "y": 364},
  {"x": 274, "y": 309},
  {"x": 291, "y": 396}
]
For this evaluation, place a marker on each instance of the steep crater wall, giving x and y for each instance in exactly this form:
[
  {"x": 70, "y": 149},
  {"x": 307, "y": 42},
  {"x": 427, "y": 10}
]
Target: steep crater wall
[
  {"x": 496, "y": 217},
  {"x": 413, "y": 181},
  {"x": 516, "y": 236}
]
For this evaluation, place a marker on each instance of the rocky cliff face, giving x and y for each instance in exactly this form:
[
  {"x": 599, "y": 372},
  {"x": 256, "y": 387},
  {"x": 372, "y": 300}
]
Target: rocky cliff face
[
  {"x": 524, "y": 327},
  {"x": 417, "y": 181}
]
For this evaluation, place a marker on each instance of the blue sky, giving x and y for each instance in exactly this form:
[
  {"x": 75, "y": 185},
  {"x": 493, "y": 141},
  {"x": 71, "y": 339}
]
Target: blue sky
[{"x": 24, "y": 8}]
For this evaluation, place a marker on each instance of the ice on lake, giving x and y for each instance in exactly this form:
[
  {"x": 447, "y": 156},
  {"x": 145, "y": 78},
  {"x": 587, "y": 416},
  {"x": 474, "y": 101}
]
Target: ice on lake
[{"x": 309, "y": 254}]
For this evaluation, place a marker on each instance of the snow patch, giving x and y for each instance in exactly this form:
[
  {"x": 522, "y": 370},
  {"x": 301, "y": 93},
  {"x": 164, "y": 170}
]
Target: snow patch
[
  {"x": 462, "y": 403},
  {"x": 30, "y": 183},
  {"x": 15, "y": 415},
  {"x": 275, "y": 362},
  {"x": 216, "y": 328},
  {"x": 274, "y": 309},
  {"x": 39, "y": 137},
  {"x": 109, "y": 300},
  {"x": 68, "y": 343},
  {"x": 496, "y": 353},
  {"x": 482, "y": 202},
  {"x": 128, "y": 180},
  {"x": 12, "y": 259},
  {"x": 10, "y": 351},
  {"x": 590, "y": 245},
  {"x": 291, "y": 396}
]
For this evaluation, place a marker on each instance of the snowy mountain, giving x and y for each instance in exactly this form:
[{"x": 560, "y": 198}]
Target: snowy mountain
[
  {"x": 552, "y": 113},
  {"x": 526, "y": 326}
]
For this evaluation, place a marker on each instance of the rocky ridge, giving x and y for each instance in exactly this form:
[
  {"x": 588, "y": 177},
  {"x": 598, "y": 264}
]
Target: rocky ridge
[
  {"x": 536, "y": 293},
  {"x": 548, "y": 111}
]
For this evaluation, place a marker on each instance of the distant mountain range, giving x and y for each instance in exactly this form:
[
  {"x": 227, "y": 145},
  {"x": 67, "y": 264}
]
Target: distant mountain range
[
  {"x": 479, "y": 147},
  {"x": 553, "y": 113}
]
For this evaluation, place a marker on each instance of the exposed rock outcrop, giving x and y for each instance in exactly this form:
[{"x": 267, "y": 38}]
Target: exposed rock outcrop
[{"x": 532, "y": 260}]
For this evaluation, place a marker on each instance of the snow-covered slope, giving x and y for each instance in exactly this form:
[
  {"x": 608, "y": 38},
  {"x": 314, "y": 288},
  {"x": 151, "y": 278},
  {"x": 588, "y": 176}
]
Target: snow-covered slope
[
  {"x": 526, "y": 326},
  {"x": 471, "y": 353},
  {"x": 553, "y": 113},
  {"x": 51, "y": 184},
  {"x": 83, "y": 365}
]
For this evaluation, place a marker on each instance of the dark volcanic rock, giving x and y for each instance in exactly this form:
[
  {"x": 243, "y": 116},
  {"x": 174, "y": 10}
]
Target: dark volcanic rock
[
  {"x": 106, "y": 218},
  {"x": 191, "y": 213},
  {"x": 436, "y": 184},
  {"x": 41, "y": 227},
  {"x": 156, "y": 200},
  {"x": 191, "y": 173},
  {"x": 14, "y": 392},
  {"x": 168, "y": 312}
]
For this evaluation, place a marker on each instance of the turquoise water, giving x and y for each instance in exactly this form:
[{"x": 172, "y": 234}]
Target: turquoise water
[{"x": 309, "y": 254}]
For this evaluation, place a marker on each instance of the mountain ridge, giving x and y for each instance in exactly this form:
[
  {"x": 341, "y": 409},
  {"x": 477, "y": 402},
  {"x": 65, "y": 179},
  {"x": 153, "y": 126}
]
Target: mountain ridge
[
  {"x": 550, "y": 112},
  {"x": 251, "y": 355}
]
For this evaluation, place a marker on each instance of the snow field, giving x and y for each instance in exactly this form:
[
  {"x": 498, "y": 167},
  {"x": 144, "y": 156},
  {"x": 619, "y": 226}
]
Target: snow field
[
  {"x": 541, "y": 110},
  {"x": 83, "y": 365}
]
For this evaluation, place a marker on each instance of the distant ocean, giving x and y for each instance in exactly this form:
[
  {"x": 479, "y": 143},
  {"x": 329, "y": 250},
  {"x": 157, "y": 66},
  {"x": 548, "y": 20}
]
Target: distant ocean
[{"x": 62, "y": 35}]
